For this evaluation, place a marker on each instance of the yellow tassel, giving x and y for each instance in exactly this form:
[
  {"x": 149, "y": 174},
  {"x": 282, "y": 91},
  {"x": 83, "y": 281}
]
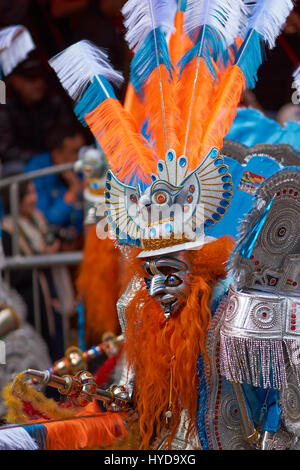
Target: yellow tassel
[
  {"x": 14, "y": 413},
  {"x": 18, "y": 391}
]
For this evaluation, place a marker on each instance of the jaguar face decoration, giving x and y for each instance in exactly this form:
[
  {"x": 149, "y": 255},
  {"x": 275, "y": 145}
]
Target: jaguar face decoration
[
  {"x": 166, "y": 281},
  {"x": 178, "y": 205}
]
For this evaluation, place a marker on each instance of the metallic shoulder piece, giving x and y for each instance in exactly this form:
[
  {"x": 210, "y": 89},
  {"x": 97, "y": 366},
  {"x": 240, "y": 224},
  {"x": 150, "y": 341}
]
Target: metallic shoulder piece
[
  {"x": 227, "y": 421},
  {"x": 282, "y": 153},
  {"x": 267, "y": 255},
  {"x": 260, "y": 335}
]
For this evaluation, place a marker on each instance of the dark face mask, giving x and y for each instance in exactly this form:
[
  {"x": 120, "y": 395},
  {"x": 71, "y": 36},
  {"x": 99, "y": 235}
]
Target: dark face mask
[{"x": 166, "y": 281}]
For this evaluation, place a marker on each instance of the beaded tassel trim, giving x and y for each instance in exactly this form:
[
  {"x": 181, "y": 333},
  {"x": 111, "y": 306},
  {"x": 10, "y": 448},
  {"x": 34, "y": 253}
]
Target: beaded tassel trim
[{"x": 261, "y": 363}]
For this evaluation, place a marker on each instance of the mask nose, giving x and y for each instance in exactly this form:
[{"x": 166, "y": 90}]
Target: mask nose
[
  {"x": 144, "y": 201},
  {"x": 157, "y": 285}
]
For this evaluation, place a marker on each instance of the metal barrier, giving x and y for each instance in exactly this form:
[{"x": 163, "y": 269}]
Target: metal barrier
[{"x": 35, "y": 262}]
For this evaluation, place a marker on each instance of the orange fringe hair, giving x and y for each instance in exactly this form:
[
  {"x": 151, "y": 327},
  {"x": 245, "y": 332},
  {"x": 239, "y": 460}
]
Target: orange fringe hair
[
  {"x": 164, "y": 354},
  {"x": 98, "y": 286}
]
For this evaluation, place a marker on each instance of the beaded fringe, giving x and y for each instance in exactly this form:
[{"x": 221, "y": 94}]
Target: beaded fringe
[{"x": 260, "y": 363}]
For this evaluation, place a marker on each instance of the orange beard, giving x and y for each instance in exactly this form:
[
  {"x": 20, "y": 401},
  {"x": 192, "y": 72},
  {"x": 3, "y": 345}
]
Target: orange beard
[{"x": 164, "y": 354}]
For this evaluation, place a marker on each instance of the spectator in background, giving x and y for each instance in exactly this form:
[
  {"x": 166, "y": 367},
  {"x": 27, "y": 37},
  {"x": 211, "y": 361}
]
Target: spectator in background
[
  {"x": 60, "y": 195},
  {"x": 290, "y": 111},
  {"x": 32, "y": 109},
  {"x": 99, "y": 21},
  {"x": 34, "y": 239},
  {"x": 275, "y": 77}
]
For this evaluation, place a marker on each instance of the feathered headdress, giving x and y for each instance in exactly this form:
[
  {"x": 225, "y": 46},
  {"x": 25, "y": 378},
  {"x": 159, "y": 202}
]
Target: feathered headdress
[
  {"x": 15, "y": 44},
  {"x": 191, "y": 63}
]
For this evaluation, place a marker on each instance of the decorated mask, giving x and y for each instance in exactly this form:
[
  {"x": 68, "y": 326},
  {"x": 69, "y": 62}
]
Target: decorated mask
[
  {"x": 166, "y": 281},
  {"x": 91, "y": 162}
]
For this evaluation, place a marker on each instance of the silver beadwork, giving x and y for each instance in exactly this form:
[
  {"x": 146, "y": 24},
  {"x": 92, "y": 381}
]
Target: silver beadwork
[{"x": 253, "y": 341}]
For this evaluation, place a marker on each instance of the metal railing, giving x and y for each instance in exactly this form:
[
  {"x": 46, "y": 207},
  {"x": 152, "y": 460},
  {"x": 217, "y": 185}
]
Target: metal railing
[{"x": 34, "y": 262}]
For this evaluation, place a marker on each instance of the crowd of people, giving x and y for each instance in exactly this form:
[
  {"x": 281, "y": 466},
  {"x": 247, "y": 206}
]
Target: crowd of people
[{"x": 38, "y": 130}]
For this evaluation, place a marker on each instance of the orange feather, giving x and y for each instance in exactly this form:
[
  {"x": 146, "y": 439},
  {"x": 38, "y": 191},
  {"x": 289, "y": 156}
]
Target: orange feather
[
  {"x": 224, "y": 109},
  {"x": 85, "y": 433},
  {"x": 128, "y": 152},
  {"x": 98, "y": 285},
  {"x": 156, "y": 114},
  {"x": 180, "y": 42},
  {"x": 134, "y": 105},
  {"x": 194, "y": 116}
]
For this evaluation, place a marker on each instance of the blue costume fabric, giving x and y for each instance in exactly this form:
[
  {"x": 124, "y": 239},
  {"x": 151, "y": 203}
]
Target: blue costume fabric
[
  {"x": 251, "y": 127},
  {"x": 51, "y": 190},
  {"x": 262, "y": 167}
]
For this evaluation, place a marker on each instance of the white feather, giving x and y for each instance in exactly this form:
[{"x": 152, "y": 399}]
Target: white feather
[
  {"x": 141, "y": 16},
  {"x": 15, "y": 44},
  {"x": 225, "y": 16},
  {"x": 296, "y": 76},
  {"x": 78, "y": 64},
  {"x": 267, "y": 17},
  {"x": 16, "y": 439}
]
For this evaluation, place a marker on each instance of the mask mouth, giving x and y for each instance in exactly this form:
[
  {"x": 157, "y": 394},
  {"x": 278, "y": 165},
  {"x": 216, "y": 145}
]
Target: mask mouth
[{"x": 169, "y": 306}]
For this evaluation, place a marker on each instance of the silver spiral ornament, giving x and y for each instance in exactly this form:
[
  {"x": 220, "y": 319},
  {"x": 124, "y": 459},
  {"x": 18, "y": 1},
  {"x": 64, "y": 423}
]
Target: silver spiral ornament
[
  {"x": 264, "y": 316},
  {"x": 278, "y": 235}
]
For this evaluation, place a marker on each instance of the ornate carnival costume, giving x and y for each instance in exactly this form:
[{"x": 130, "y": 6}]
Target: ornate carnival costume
[
  {"x": 166, "y": 193},
  {"x": 98, "y": 279}
]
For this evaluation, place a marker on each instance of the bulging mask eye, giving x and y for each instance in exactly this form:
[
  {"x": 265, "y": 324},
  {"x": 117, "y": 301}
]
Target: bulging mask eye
[
  {"x": 147, "y": 270},
  {"x": 172, "y": 281},
  {"x": 160, "y": 197}
]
